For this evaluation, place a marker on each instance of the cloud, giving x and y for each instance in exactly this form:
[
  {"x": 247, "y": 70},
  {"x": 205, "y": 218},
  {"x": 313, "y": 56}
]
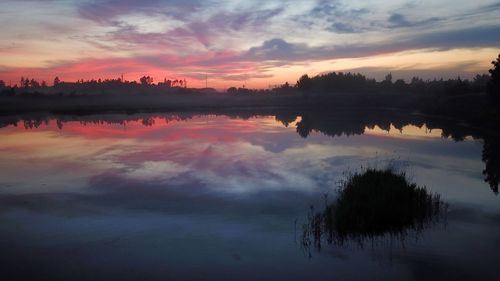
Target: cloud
[
  {"x": 235, "y": 40},
  {"x": 489, "y": 8},
  {"x": 203, "y": 32},
  {"x": 339, "y": 17},
  {"x": 487, "y": 36},
  {"x": 107, "y": 11},
  {"x": 157, "y": 170},
  {"x": 397, "y": 20},
  {"x": 279, "y": 49},
  {"x": 340, "y": 27},
  {"x": 257, "y": 60}
]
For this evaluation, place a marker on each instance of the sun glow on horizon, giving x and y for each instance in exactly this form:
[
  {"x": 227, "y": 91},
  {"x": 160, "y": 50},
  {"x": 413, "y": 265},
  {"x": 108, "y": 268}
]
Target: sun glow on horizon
[{"x": 235, "y": 43}]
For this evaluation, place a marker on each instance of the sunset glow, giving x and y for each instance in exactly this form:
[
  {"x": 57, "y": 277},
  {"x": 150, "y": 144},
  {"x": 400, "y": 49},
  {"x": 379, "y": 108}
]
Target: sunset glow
[
  {"x": 249, "y": 140},
  {"x": 251, "y": 43}
]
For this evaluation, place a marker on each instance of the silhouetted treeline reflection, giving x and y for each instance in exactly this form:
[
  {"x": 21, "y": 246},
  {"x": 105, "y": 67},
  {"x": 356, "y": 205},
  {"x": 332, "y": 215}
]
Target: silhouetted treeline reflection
[
  {"x": 491, "y": 159},
  {"x": 337, "y": 123},
  {"x": 373, "y": 205}
]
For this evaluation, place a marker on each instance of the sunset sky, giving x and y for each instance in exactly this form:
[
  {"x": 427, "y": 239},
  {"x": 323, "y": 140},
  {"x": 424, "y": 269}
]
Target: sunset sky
[{"x": 252, "y": 43}]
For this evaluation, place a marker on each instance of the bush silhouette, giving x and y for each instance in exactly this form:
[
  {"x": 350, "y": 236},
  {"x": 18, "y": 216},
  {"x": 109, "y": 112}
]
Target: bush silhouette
[{"x": 373, "y": 204}]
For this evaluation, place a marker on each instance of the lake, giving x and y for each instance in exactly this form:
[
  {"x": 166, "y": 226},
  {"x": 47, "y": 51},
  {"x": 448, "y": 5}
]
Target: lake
[{"x": 225, "y": 197}]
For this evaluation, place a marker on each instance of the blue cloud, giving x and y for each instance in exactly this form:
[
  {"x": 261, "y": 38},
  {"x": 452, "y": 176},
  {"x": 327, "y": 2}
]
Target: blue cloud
[
  {"x": 399, "y": 20},
  {"x": 106, "y": 11},
  {"x": 340, "y": 27},
  {"x": 279, "y": 49}
]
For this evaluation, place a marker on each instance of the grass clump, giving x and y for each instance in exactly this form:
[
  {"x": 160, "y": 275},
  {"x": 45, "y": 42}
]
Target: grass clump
[{"x": 374, "y": 203}]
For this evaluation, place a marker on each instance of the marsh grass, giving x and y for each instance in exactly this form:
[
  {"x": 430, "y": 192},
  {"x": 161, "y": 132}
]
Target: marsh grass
[{"x": 374, "y": 204}]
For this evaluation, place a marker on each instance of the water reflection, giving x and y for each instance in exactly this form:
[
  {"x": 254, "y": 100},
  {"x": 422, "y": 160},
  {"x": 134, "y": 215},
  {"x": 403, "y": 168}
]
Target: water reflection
[
  {"x": 491, "y": 158},
  {"x": 331, "y": 124},
  {"x": 192, "y": 196}
]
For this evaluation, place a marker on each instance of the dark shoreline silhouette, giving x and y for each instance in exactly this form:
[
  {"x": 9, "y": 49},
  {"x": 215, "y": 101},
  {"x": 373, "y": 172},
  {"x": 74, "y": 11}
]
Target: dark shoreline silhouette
[
  {"x": 452, "y": 96},
  {"x": 153, "y": 98}
]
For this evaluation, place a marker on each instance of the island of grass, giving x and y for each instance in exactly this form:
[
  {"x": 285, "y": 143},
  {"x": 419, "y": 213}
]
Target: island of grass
[{"x": 374, "y": 204}]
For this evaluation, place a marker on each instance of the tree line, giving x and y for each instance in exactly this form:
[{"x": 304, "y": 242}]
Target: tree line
[
  {"x": 339, "y": 82},
  {"x": 323, "y": 84},
  {"x": 27, "y": 83}
]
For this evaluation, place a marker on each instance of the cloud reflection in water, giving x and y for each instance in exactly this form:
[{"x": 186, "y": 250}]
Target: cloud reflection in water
[{"x": 191, "y": 195}]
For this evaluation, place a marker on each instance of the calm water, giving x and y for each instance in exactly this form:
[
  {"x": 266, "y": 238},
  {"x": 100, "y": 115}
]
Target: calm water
[{"x": 224, "y": 198}]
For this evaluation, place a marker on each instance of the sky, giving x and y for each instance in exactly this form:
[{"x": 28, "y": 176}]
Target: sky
[{"x": 256, "y": 44}]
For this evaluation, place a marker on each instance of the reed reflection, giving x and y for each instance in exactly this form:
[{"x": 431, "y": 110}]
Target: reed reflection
[{"x": 371, "y": 206}]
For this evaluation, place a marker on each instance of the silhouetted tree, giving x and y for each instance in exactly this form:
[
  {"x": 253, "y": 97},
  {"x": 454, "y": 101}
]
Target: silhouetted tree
[
  {"x": 387, "y": 83},
  {"x": 2, "y": 84},
  {"x": 400, "y": 85},
  {"x": 56, "y": 81},
  {"x": 25, "y": 83},
  {"x": 166, "y": 83},
  {"x": 34, "y": 84},
  {"x": 304, "y": 84},
  {"x": 494, "y": 83},
  {"x": 146, "y": 80},
  {"x": 44, "y": 84},
  {"x": 417, "y": 85},
  {"x": 388, "y": 78},
  {"x": 480, "y": 82}
]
